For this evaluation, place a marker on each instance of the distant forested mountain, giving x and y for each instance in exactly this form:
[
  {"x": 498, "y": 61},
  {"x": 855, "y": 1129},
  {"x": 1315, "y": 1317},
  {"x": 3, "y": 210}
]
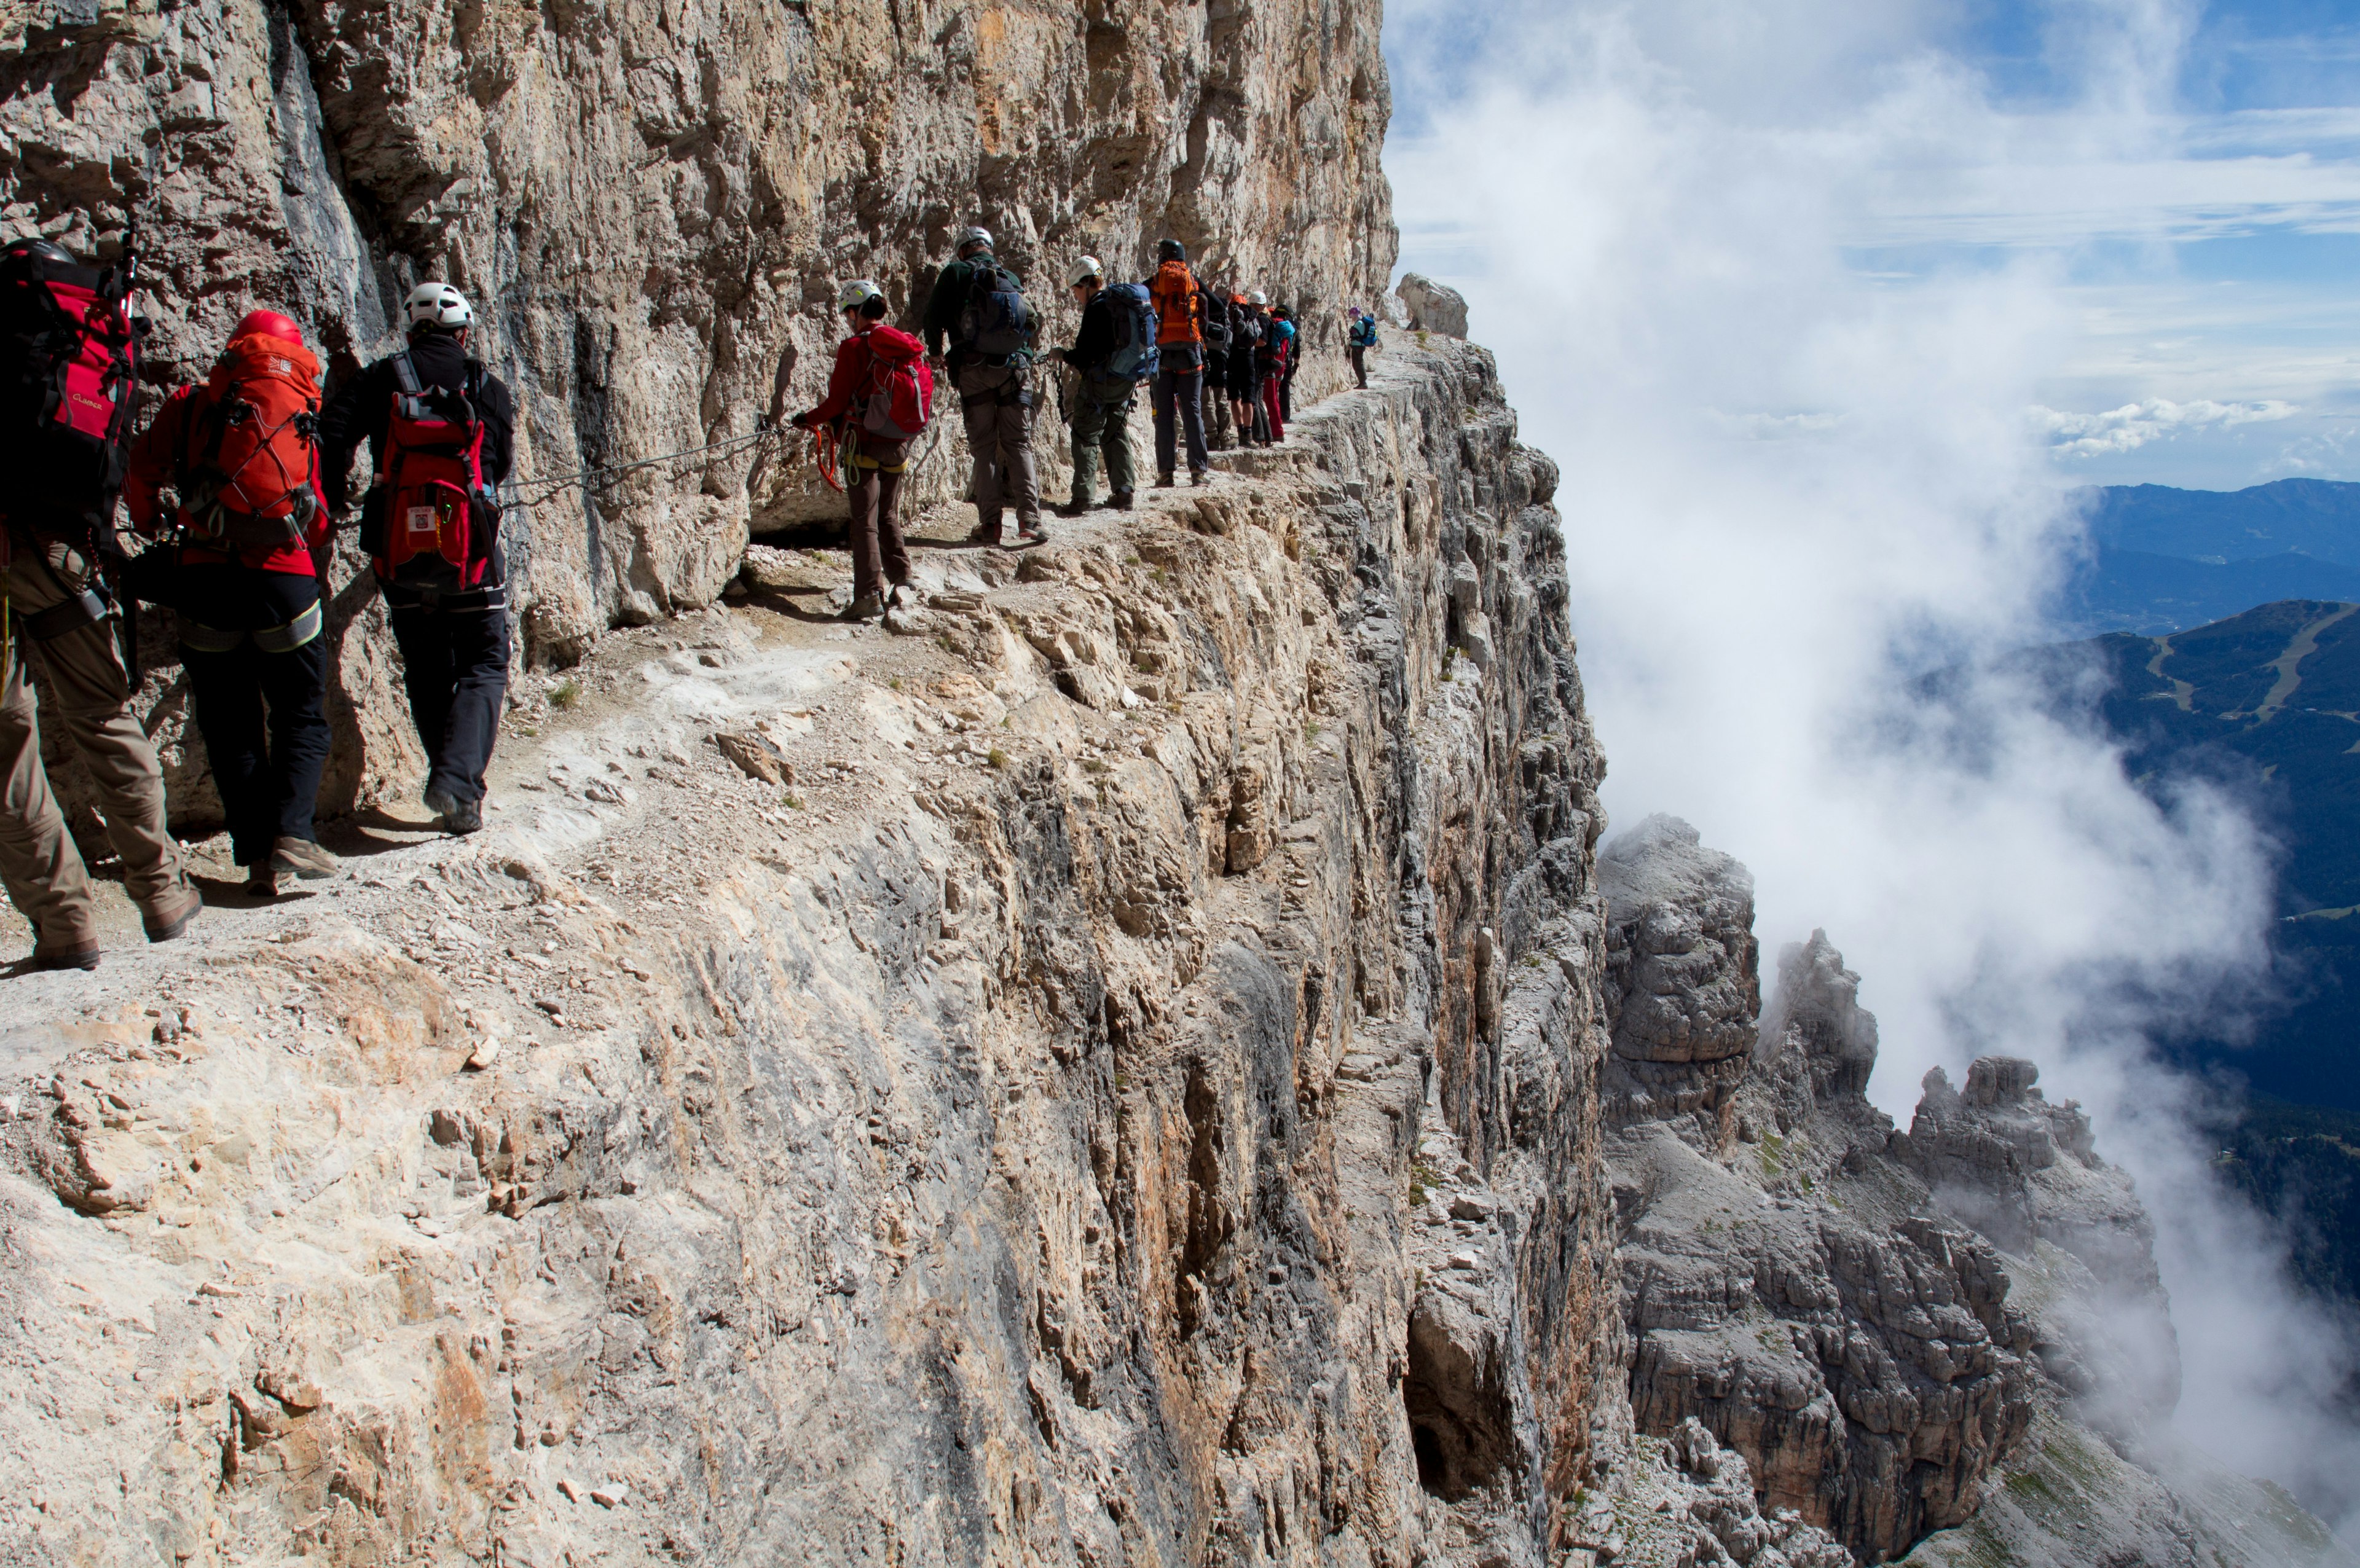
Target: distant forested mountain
[
  {"x": 2168, "y": 560},
  {"x": 2268, "y": 702}
]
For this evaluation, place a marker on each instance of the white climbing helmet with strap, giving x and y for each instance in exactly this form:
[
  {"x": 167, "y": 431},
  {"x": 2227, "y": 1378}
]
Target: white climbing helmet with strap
[
  {"x": 857, "y": 293},
  {"x": 1084, "y": 270},
  {"x": 437, "y": 305}
]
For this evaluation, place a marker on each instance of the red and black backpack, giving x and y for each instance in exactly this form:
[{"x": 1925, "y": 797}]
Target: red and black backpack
[
  {"x": 69, "y": 359},
  {"x": 245, "y": 482},
  {"x": 428, "y": 477}
]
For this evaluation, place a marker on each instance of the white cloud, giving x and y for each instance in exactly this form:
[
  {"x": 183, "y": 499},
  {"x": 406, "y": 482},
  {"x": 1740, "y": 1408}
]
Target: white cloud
[
  {"x": 1665, "y": 241},
  {"x": 2135, "y": 424}
]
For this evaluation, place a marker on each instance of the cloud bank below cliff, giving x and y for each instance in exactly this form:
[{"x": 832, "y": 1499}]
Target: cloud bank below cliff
[{"x": 1792, "y": 484}]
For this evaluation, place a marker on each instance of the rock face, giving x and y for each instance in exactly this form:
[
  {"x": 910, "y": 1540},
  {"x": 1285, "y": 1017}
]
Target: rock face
[{"x": 652, "y": 205}]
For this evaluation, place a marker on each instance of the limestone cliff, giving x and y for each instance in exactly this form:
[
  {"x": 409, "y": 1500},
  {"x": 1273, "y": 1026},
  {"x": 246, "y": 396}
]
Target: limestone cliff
[{"x": 929, "y": 1098}]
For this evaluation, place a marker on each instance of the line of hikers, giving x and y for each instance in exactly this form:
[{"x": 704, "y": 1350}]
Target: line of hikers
[
  {"x": 237, "y": 483},
  {"x": 256, "y": 467},
  {"x": 1220, "y": 367}
]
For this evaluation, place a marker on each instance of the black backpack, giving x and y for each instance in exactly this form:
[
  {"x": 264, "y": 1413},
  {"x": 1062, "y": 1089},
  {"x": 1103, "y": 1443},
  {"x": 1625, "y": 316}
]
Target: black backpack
[
  {"x": 69, "y": 362},
  {"x": 1216, "y": 326},
  {"x": 995, "y": 322}
]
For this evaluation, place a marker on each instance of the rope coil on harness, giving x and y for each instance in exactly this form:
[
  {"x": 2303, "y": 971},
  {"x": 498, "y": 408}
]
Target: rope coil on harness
[{"x": 827, "y": 448}]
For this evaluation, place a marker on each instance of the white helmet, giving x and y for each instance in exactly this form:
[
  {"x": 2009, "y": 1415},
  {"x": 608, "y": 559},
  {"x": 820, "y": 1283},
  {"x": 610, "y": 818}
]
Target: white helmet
[
  {"x": 857, "y": 293},
  {"x": 437, "y": 305},
  {"x": 1084, "y": 270},
  {"x": 1257, "y": 298},
  {"x": 973, "y": 234}
]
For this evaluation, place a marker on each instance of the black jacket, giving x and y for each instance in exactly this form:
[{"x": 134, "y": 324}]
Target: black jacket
[
  {"x": 362, "y": 406},
  {"x": 1094, "y": 343}
]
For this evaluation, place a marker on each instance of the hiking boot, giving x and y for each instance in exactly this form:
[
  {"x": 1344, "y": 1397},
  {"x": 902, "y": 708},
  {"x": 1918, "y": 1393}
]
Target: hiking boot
[
  {"x": 1199, "y": 478},
  {"x": 84, "y": 955},
  {"x": 262, "y": 882},
  {"x": 868, "y": 607},
  {"x": 456, "y": 817},
  {"x": 988, "y": 533},
  {"x": 1073, "y": 508},
  {"x": 172, "y": 915},
  {"x": 905, "y": 596},
  {"x": 1120, "y": 500},
  {"x": 1031, "y": 533},
  {"x": 301, "y": 857},
  {"x": 1163, "y": 482}
]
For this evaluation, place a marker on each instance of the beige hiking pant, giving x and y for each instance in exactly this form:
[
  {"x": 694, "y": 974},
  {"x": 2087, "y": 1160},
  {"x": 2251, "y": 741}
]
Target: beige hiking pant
[{"x": 90, "y": 698}]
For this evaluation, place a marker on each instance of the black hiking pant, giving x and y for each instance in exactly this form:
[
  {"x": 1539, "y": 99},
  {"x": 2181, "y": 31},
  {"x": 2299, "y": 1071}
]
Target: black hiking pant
[
  {"x": 455, "y": 665},
  {"x": 260, "y": 705}
]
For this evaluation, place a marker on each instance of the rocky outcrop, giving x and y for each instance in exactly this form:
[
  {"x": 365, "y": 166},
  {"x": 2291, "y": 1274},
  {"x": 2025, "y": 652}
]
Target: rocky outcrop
[
  {"x": 2026, "y": 1173},
  {"x": 653, "y": 206},
  {"x": 1937, "y": 1344},
  {"x": 1433, "y": 307},
  {"x": 1682, "y": 985}
]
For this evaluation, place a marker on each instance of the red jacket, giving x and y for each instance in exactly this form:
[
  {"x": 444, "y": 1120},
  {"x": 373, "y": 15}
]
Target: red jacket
[
  {"x": 853, "y": 357},
  {"x": 156, "y": 460}
]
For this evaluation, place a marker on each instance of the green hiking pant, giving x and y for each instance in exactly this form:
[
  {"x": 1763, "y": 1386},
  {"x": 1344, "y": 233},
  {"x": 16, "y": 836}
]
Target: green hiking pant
[{"x": 1101, "y": 419}]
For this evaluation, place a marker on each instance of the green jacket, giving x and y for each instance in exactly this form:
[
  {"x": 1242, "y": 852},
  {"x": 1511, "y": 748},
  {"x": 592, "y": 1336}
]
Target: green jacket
[{"x": 950, "y": 299}]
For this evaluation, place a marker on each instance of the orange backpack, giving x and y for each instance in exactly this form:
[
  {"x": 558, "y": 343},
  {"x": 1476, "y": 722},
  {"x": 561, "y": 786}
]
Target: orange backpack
[
  {"x": 247, "y": 478},
  {"x": 1179, "y": 306}
]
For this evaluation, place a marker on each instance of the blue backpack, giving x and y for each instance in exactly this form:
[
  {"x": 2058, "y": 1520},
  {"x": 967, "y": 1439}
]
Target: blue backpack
[
  {"x": 1364, "y": 333},
  {"x": 995, "y": 322},
  {"x": 1135, "y": 356}
]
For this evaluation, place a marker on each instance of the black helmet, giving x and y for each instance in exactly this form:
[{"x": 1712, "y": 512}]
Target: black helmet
[
  {"x": 35, "y": 246},
  {"x": 1171, "y": 250}
]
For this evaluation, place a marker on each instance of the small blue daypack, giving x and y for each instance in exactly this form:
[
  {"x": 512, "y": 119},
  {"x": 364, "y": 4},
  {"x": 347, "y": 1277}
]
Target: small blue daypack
[{"x": 1135, "y": 356}]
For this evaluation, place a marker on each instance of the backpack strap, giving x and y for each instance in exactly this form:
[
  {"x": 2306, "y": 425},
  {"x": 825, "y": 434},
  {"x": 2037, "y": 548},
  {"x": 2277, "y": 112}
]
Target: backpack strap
[{"x": 405, "y": 374}]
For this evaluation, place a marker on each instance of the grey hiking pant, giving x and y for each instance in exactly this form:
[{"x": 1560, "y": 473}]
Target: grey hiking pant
[
  {"x": 996, "y": 401},
  {"x": 1180, "y": 392},
  {"x": 90, "y": 700},
  {"x": 1102, "y": 426}
]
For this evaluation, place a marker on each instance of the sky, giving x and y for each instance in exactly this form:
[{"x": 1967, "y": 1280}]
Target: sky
[
  {"x": 1822, "y": 307},
  {"x": 2201, "y": 224}
]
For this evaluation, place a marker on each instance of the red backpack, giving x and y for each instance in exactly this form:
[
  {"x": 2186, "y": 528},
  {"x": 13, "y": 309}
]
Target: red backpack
[
  {"x": 251, "y": 486},
  {"x": 897, "y": 397},
  {"x": 428, "y": 478},
  {"x": 69, "y": 356},
  {"x": 1179, "y": 306}
]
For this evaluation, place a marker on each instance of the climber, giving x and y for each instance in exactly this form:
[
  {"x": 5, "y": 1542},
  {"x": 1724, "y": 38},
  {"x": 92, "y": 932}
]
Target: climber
[
  {"x": 1271, "y": 361},
  {"x": 67, "y": 374},
  {"x": 978, "y": 306},
  {"x": 241, "y": 575},
  {"x": 441, "y": 431},
  {"x": 1215, "y": 378},
  {"x": 1246, "y": 328},
  {"x": 1114, "y": 343},
  {"x": 881, "y": 394},
  {"x": 1179, "y": 381},
  {"x": 1295, "y": 346},
  {"x": 1359, "y": 342}
]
